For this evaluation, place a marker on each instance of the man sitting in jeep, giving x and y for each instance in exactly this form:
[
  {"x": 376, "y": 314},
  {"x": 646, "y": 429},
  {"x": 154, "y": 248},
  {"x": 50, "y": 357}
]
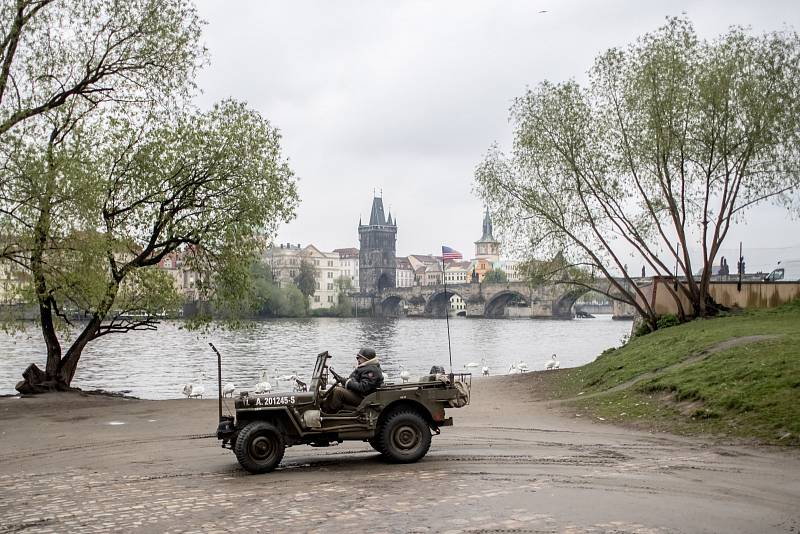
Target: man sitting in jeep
[{"x": 365, "y": 378}]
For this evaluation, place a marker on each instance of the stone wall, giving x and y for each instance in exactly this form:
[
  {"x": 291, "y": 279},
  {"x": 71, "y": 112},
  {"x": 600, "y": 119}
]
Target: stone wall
[{"x": 753, "y": 294}]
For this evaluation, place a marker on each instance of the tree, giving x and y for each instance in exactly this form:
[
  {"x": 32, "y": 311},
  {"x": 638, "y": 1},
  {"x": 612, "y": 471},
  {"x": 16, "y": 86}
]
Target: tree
[
  {"x": 344, "y": 304},
  {"x": 202, "y": 183},
  {"x": 671, "y": 141},
  {"x": 266, "y": 298},
  {"x": 83, "y": 53},
  {"x": 306, "y": 279},
  {"x": 62, "y": 62},
  {"x": 495, "y": 276}
]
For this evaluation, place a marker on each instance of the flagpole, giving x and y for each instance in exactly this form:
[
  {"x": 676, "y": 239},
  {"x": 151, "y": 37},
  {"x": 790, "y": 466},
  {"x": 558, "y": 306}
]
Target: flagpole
[{"x": 447, "y": 317}]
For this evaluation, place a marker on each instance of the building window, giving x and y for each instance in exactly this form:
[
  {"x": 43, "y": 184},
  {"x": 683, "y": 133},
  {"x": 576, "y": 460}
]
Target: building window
[
  {"x": 330, "y": 298},
  {"x": 330, "y": 274},
  {"x": 317, "y": 285},
  {"x": 316, "y": 262},
  {"x": 316, "y": 298},
  {"x": 330, "y": 287}
]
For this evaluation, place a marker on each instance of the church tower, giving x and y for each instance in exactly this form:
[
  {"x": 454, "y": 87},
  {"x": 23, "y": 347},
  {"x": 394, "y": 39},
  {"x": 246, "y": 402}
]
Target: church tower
[
  {"x": 487, "y": 247},
  {"x": 377, "y": 268}
]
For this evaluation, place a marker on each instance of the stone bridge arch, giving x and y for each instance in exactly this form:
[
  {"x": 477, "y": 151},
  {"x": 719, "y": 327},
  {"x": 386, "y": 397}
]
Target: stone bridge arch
[
  {"x": 497, "y": 303},
  {"x": 438, "y": 303},
  {"x": 562, "y": 306},
  {"x": 393, "y": 306}
]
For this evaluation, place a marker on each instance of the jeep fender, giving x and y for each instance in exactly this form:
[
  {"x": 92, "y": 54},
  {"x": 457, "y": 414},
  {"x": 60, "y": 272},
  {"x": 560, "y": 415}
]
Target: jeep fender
[
  {"x": 410, "y": 404},
  {"x": 280, "y": 416}
]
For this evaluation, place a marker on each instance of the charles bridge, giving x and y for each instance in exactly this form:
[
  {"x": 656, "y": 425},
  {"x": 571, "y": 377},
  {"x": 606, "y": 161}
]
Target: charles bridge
[{"x": 550, "y": 300}]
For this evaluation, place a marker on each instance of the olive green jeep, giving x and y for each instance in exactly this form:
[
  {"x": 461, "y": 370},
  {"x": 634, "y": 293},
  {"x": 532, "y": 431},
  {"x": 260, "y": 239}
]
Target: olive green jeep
[{"x": 396, "y": 419}]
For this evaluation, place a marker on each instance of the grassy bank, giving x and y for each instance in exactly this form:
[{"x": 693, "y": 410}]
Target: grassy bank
[{"x": 735, "y": 376}]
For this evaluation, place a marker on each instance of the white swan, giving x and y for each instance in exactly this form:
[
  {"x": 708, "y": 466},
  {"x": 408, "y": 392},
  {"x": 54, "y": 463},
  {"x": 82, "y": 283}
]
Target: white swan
[
  {"x": 228, "y": 389},
  {"x": 263, "y": 386},
  {"x": 294, "y": 379},
  {"x": 522, "y": 366},
  {"x": 195, "y": 390},
  {"x": 287, "y": 378},
  {"x": 553, "y": 363},
  {"x": 404, "y": 375},
  {"x": 485, "y": 370},
  {"x": 513, "y": 370}
]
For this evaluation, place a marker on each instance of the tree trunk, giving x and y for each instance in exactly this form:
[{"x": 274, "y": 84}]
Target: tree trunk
[{"x": 35, "y": 380}]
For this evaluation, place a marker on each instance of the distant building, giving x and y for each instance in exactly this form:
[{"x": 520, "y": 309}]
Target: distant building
[
  {"x": 326, "y": 271},
  {"x": 487, "y": 247},
  {"x": 284, "y": 261},
  {"x": 185, "y": 278},
  {"x": 427, "y": 269},
  {"x": 512, "y": 269},
  {"x": 479, "y": 268},
  {"x": 457, "y": 304},
  {"x": 457, "y": 272},
  {"x": 405, "y": 272},
  {"x": 348, "y": 264},
  {"x": 378, "y": 240}
]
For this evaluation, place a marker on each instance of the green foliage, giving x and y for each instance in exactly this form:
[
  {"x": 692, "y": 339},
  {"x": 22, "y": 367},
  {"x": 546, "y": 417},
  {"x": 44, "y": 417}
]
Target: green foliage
[
  {"x": 680, "y": 379},
  {"x": 306, "y": 279},
  {"x": 344, "y": 304},
  {"x": 67, "y": 55},
  {"x": 672, "y": 138},
  {"x": 495, "y": 276},
  {"x": 642, "y": 328},
  {"x": 116, "y": 173},
  {"x": 293, "y": 304},
  {"x": 665, "y": 321}
]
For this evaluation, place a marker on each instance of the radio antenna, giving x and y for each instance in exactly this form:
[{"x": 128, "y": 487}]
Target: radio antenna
[{"x": 447, "y": 316}]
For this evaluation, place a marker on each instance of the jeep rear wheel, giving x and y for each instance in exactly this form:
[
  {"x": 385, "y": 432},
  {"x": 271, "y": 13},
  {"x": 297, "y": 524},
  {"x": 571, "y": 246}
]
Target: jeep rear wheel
[
  {"x": 404, "y": 437},
  {"x": 260, "y": 447}
]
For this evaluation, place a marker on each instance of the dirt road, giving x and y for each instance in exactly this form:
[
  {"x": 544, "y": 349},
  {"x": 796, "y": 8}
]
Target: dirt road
[{"x": 71, "y": 463}]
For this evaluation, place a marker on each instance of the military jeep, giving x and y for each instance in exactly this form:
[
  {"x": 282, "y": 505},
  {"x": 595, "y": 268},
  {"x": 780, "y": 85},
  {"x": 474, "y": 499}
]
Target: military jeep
[{"x": 396, "y": 419}]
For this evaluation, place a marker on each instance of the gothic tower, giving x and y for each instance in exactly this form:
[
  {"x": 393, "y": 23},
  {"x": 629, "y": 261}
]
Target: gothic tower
[
  {"x": 487, "y": 247},
  {"x": 377, "y": 268}
]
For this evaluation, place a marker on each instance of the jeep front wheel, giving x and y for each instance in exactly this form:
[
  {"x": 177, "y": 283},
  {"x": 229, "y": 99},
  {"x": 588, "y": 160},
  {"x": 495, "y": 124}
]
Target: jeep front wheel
[
  {"x": 404, "y": 437},
  {"x": 260, "y": 447}
]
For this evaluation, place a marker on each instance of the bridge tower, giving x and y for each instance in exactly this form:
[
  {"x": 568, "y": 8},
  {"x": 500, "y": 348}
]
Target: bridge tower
[
  {"x": 487, "y": 247},
  {"x": 377, "y": 267}
]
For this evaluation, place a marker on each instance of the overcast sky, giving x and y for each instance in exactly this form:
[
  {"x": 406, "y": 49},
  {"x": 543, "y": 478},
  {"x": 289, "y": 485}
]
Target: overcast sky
[{"x": 405, "y": 97}]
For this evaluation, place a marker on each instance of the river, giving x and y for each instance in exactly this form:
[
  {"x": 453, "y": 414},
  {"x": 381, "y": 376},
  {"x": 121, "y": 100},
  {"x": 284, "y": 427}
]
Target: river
[{"x": 155, "y": 365}]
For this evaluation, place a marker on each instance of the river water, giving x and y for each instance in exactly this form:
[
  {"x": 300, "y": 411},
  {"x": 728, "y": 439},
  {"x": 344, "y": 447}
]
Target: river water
[{"x": 155, "y": 365}]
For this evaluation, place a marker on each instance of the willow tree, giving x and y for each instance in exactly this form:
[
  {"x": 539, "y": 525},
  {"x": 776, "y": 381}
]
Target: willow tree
[
  {"x": 131, "y": 194},
  {"x": 671, "y": 141},
  {"x": 105, "y": 169}
]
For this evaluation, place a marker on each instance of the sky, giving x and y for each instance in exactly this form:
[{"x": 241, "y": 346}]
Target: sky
[{"x": 403, "y": 99}]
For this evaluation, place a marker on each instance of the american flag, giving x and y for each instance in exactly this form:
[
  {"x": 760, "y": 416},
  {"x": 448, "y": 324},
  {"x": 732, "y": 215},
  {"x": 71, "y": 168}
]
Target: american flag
[{"x": 449, "y": 254}]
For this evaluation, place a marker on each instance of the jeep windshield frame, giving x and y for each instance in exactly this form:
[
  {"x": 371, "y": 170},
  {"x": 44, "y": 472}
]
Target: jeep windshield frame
[{"x": 319, "y": 369}]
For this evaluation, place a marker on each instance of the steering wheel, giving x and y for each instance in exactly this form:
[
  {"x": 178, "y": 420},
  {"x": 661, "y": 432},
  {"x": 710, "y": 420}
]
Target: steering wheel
[{"x": 339, "y": 378}]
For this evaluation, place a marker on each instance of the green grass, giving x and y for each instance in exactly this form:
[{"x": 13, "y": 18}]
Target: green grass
[{"x": 750, "y": 390}]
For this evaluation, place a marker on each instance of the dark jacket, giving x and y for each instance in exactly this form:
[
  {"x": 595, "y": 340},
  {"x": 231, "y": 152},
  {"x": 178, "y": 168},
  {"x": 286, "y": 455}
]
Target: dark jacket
[{"x": 365, "y": 378}]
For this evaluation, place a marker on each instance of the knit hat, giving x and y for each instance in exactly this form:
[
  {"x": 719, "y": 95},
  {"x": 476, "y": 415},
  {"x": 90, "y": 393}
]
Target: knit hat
[{"x": 366, "y": 353}]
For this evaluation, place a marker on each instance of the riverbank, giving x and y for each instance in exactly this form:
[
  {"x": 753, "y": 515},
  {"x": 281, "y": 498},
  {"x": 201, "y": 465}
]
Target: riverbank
[
  {"x": 75, "y": 463},
  {"x": 735, "y": 376}
]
